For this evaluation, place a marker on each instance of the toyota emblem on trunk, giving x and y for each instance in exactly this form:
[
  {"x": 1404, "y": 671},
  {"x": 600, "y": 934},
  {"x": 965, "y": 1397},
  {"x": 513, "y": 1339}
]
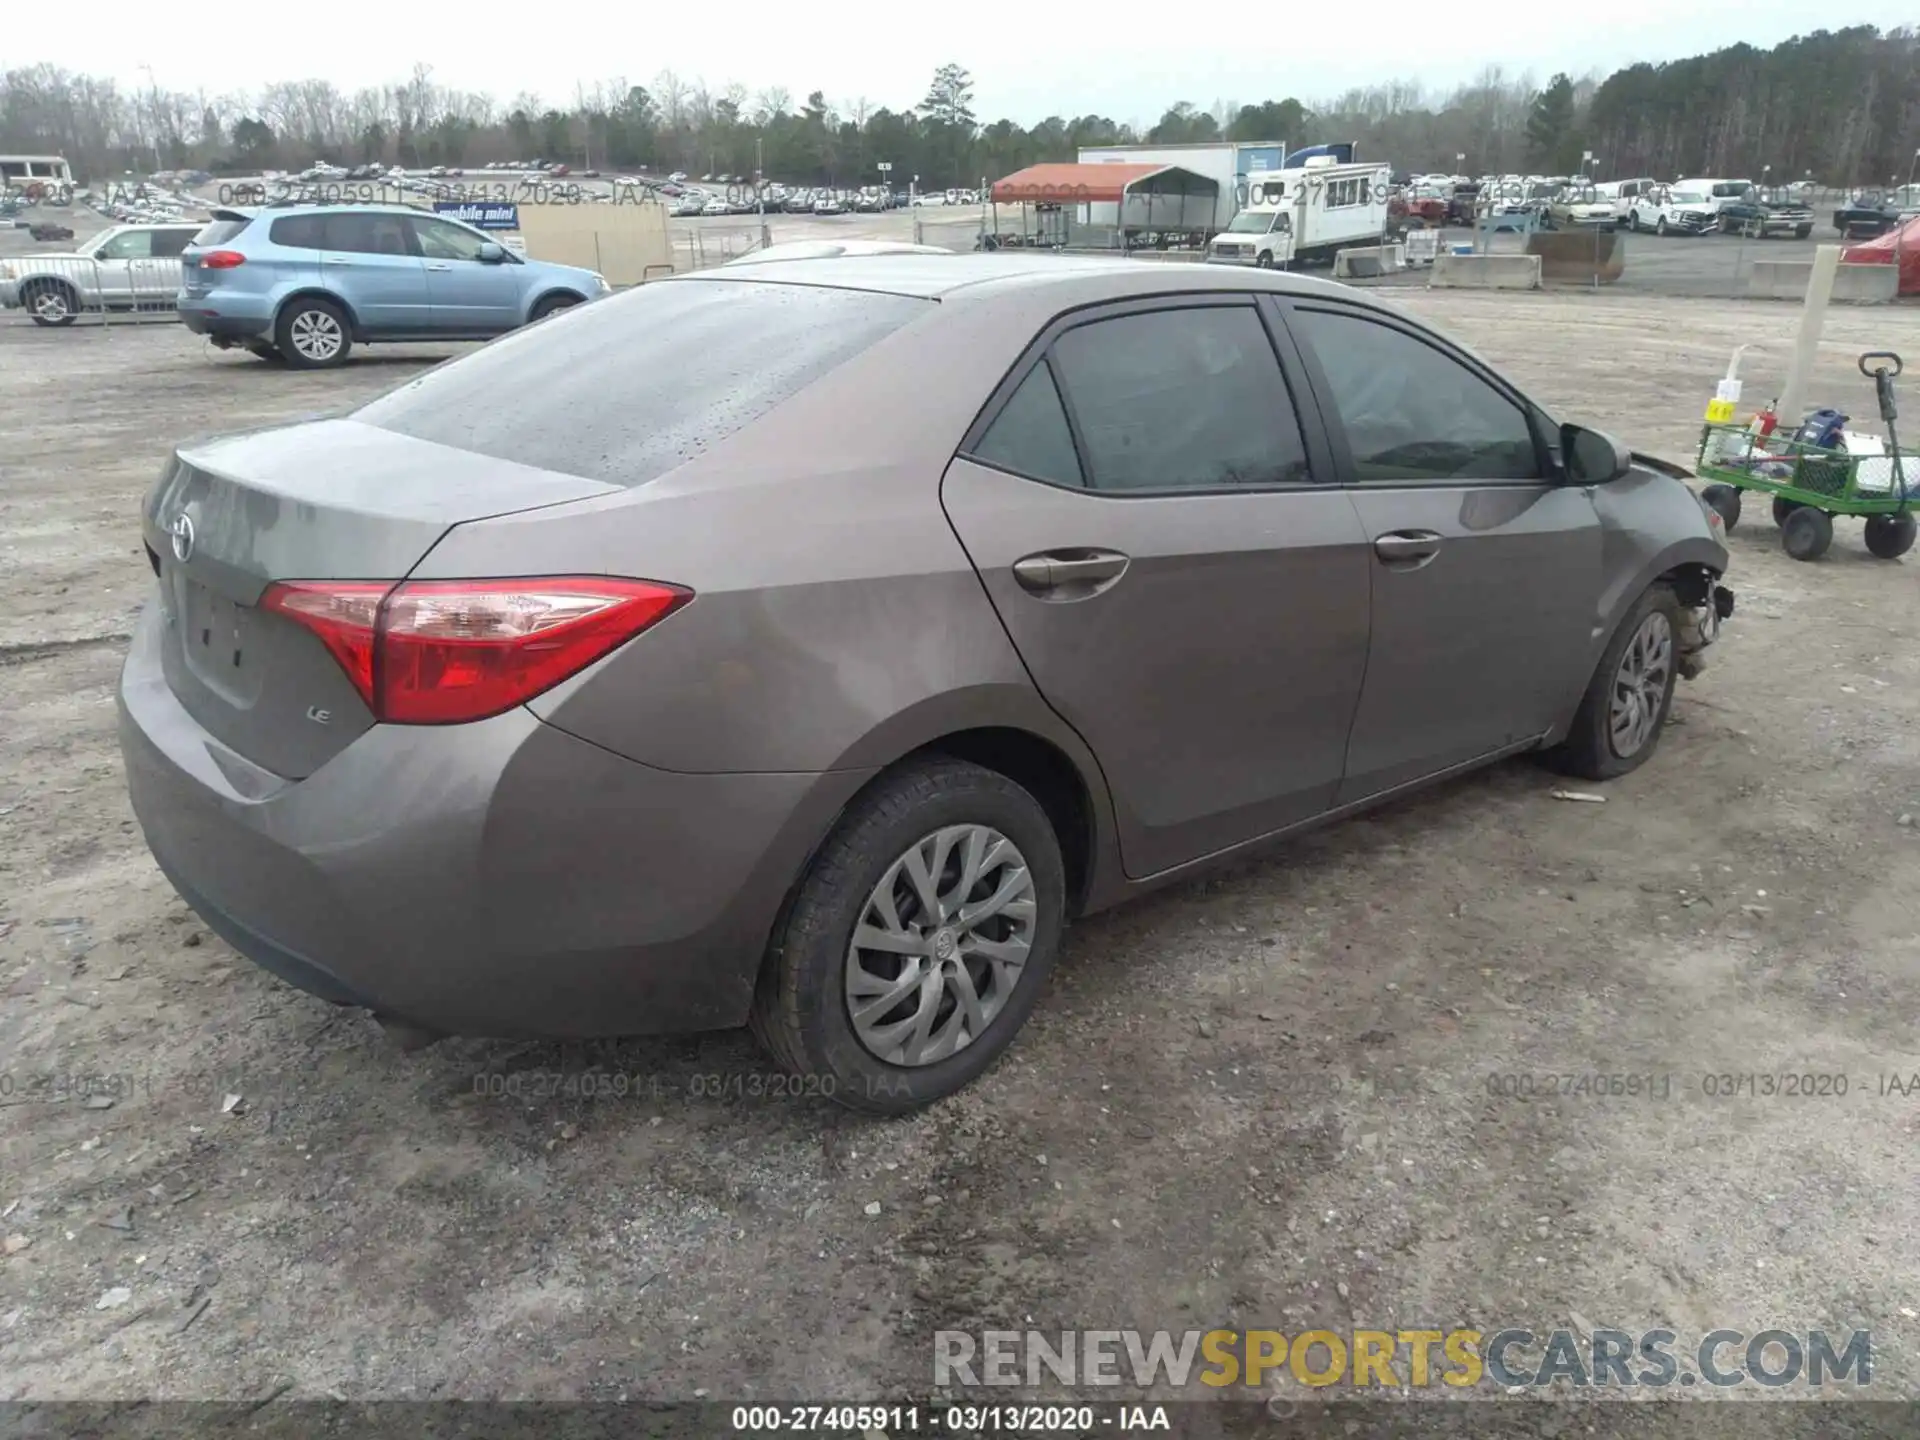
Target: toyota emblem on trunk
[{"x": 182, "y": 532}]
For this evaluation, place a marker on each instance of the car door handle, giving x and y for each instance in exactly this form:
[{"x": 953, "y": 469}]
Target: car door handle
[
  {"x": 335, "y": 260},
  {"x": 439, "y": 265},
  {"x": 1069, "y": 574},
  {"x": 1405, "y": 545}
]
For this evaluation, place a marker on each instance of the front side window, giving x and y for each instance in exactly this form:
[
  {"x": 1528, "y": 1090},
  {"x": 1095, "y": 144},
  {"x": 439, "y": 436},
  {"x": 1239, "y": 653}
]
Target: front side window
[
  {"x": 440, "y": 240},
  {"x": 1180, "y": 400},
  {"x": 127, "y": 245},
  {"x": 1412, "y": 412}
]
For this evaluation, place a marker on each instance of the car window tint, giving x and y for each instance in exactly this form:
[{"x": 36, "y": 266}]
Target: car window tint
[
  {"x": 1030, "y": 435},
  {"x": 1180, "y": 400},
  {"x": 1411, "y": 412},
  {"x": 368, "y": 234},
  {"x": 442, "y": 241},
  {"x": 298, "y": 232},
  {"x": 128, "y": 245},
  {"x": 223, "y": 229},
  {"x": 170, "y": 242},
  {"x": 636, "y": 385}
]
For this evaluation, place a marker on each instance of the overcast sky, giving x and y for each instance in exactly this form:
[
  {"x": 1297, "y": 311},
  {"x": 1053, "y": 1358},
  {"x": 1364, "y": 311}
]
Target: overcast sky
[{"x": 1125, "y": 60}]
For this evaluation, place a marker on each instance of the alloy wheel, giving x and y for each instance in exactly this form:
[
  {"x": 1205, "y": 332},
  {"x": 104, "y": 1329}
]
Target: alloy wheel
[
  {"x": 1640, "y": 686},
  {"x": 940, "y": 945},
  {"x": 316, "y": 334},
  {"x": 50, "y": 303}
]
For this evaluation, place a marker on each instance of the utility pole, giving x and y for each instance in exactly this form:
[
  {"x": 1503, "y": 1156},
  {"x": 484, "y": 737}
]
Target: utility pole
[
  {"x": 153, "y": 113},
  {"x": 760, "y": 188}
]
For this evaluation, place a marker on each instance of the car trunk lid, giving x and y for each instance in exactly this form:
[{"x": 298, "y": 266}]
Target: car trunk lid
[{"x": 329, "y": 500}]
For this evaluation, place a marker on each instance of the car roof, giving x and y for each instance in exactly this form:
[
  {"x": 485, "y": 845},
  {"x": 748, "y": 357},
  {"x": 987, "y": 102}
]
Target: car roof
[{"x": 959, "y": 277}]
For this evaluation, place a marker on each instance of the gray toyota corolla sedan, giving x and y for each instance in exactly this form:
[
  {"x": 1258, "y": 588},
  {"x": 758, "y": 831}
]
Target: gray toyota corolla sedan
[{"x": 804, "y": 643}]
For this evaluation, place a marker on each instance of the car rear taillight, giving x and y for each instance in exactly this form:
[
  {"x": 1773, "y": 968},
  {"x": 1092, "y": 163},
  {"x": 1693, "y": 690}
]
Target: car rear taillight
[
  {"x": 221, "y": 259},
  {"x": 443, "y": 652}
]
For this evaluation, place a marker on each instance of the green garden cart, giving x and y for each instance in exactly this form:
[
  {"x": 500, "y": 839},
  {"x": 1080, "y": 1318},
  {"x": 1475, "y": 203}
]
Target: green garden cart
[{"x": 1811, "y": 483}]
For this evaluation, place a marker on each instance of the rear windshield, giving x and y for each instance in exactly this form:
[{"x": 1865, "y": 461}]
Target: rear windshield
[
  {"x": 626, "y": 389},
  {"x": 221, "y": 229}
]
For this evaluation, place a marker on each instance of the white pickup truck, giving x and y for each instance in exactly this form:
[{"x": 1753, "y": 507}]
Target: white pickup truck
[{"x": 129, "y": 267}]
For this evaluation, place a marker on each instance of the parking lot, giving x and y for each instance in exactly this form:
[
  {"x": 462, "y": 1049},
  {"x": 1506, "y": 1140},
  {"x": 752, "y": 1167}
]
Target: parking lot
[{"x": 1267, "y": 1097}]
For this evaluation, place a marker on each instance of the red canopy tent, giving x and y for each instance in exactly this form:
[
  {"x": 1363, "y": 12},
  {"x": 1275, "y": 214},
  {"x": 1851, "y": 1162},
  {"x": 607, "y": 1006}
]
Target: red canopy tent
[{"x": 1900, "y": 245}]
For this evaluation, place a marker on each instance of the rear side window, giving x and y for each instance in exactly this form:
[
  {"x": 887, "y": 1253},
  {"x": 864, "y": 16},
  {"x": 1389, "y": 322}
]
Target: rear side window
[
  {"x": 368, "y": 234},
  {"x": 624, "y": 390},
  {"x": 170, "y": 242},
  {"x": 299, "y": 232},
  {"x": 1030, "y": 436},
  {"x": 1181, "y": 400},
  {"x": 221, "y": 229}
]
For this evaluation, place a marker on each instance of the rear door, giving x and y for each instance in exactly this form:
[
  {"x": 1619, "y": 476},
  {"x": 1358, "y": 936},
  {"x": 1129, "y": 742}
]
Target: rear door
[
  {"x": 158, "y": 277},
  {"x": 368, "y": 258},
  {"x": 468, "y": 295},
  {"x": 1485, "y": 567},
  {"x": 1151, "y": 515}
]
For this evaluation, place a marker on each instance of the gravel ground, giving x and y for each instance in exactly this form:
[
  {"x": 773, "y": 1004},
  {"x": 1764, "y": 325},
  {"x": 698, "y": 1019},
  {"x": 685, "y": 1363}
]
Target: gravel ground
[{"x": 1257, "y": 1099}]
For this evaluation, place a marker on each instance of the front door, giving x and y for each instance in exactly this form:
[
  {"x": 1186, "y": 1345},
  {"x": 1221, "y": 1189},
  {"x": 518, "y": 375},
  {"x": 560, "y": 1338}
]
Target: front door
[
  {"x": 117, "y": 266},
  {"x": 1485, "y": 566},
  {"x": 367, "y": 258},
  {"x": 1156, "y": 528},
  {"x": 469, "y": 295}
]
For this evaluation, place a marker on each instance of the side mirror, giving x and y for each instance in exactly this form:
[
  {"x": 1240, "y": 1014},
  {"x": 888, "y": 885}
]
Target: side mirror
[
  {"x": 492, "y": 254},
  {"x": 1591, "y": 457}
]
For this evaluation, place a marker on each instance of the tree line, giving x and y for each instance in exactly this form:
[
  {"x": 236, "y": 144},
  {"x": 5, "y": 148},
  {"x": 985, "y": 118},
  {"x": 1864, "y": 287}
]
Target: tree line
[{"x": 1840, "y": 105}]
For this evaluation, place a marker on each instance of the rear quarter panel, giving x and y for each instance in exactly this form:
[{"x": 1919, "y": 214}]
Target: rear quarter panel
[{"x": 837, "y": 623}]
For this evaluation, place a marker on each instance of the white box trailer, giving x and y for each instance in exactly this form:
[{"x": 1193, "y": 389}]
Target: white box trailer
[
  {"x": 1229, "y": 164},
  {"x": 1307, "y": 214}
]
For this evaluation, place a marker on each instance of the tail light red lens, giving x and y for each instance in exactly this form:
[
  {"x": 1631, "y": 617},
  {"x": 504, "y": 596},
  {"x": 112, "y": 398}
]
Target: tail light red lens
[
  {"x": 444, "y": 652},
  {"x": 221, "y": 259}
]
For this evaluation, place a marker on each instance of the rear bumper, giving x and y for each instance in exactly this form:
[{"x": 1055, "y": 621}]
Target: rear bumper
[
  {"x": 207, "y": 315},
  {"x": 501, "y": 878}
]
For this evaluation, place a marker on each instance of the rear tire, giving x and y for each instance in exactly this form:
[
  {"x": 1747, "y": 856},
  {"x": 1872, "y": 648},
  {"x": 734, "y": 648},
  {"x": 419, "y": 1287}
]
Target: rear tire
[
  {"x": 52, "y": 303},
  {"x": 1806, "y": 533},
  {"x": 1890, "y": 536},
  {"x": 313, "y": 334},
  {"x": 1782, "y": 508},
  {"x": 1618, "y": 724},
  {"x": 1725, "y": 500},
  {"x": 803, "y": 1005}
]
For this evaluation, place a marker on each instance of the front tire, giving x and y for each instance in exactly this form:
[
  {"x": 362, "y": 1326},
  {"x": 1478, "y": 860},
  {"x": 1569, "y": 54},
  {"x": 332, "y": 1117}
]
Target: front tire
[
  {"x": 312, "y": 334},
  {"x": 1617, "y": 727},
  {"x": 1660, "y": 226},
  {"x": 552, "y": 305},
  {"x": 918, "y": 941}
]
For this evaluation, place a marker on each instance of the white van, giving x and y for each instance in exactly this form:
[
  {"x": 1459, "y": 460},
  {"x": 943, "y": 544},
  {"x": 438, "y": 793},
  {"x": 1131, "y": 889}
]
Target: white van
[{"x": 1623, "y": 193}]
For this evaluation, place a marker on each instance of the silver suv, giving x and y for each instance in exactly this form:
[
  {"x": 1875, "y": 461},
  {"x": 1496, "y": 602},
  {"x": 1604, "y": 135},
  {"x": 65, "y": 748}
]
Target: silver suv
[{"x": 130, "y": 267}]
